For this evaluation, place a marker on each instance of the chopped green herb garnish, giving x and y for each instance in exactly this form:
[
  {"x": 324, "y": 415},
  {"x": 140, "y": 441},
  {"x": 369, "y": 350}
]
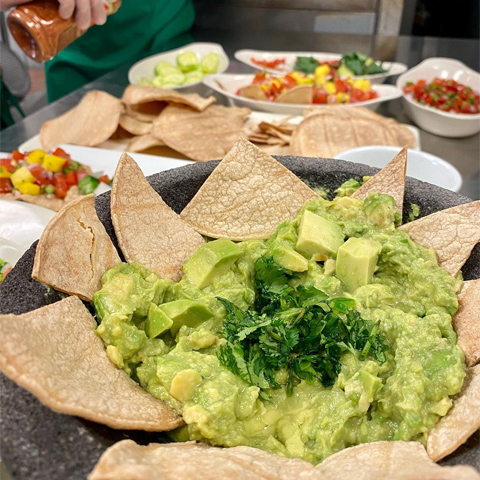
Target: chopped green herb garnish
[
  {"x": 306, "y": 65},
  {"x": 294, "y": 333}
]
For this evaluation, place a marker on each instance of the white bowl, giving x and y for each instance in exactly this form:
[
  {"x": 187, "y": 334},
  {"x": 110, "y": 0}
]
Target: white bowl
[
  {"x": 145, "y": 67},
  {"x": 245, "y": 56},
  {"x": 431, "y": 119},
  {"x": 227, "y": 84},
  {"x": 421, "y": 165}
]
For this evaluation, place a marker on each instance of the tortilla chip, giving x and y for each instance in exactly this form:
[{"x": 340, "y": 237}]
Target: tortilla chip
[
  {"x": 301, "y": 94},
  {"x": 146, "y": 112},
  {"x": 143, "y": 94},
  {"x": 389, "y": 180},
  {"x": 329, "y": 130},
  {"x": 254, "y": 92},
  {"x": 142, "y": 142},
  {"x": 200, "y": 136},
  {"x": 147, "y": 229},
  {"x": 134, "y": 126},
  {"x": 462, "y": 420},
  {"x": 282, "y": 126},
  {"x": 91, "y": 122},
  {"x": 74, "y": 250},
  {"x": 466, "y": 321},
  {"x": 452, "y": 233},
  {"x": 247, "y": 195},
  {"x": 55, "y": 354},
  {"x": 276, "y": 149},
  {"x": 127, "y": 460}
]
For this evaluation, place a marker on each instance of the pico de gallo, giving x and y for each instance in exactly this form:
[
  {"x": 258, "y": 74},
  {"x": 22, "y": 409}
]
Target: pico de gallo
[
  {"x": 444, "y": 94},
  {"x": 326, "y": 87},
  {"x": 5, "y": 268},
  {"x": 41, "y": 173}
]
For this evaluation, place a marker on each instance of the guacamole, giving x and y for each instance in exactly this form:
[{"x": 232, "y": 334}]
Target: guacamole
[{"x": 182, "y": 341}]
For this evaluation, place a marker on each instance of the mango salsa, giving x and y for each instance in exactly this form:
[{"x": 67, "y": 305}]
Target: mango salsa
[
  {"x": 53, "y": 163},
  {"x": 21, "y": 175},
  {"x": 36, "y": 156},
  {"x": 29, "y": 188}
]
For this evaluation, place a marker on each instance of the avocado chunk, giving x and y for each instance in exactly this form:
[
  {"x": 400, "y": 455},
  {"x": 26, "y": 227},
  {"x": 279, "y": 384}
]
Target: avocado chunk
[
  {"x": 288, "y": 258},
  {"x": 211, "y": 260},
  {"x": 318, "y": 235},
  {"x": 185, "y": 312},
  {"x": 356, "y": 262},
  {"x": 184, "y": 384},
  {"x": 157, "y": 321}
]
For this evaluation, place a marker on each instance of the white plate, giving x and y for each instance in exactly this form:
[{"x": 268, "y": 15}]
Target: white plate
[
  {"x": 227, "y": 84},
  {"x": 421, "y": 165},
  {"x": 20, "y": 225},
  {"x": 245, "y": 56},
  {"x": 145, "y": 67}
]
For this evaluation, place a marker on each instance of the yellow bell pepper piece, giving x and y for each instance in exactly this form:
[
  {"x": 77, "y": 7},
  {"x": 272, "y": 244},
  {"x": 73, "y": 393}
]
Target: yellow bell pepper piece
[
  {"x": 53, "y": 163},
  {"x": 330, "y": 88},
  {"x": 4, "y": 173},
  {"x": 322, "y": 70},
  {"x": 21, "y": 175},
  {"x": 36, "y": 156},
  {"x": 29, "y": 188}
]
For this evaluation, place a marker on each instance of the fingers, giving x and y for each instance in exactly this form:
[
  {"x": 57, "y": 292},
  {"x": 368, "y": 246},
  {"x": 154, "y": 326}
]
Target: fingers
[
  {"x": 66, "y": 8},
  {"x": 83, "y": 14},
  {"x": 99, "y": 15}
]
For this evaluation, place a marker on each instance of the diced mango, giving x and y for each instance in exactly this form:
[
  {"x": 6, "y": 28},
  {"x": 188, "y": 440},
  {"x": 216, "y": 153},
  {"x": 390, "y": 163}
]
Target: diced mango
[
  {"x": 53, "y": 163},
  {"x": 322, "y": 70},
  {"x": 362, "y": 84},
  {"x": 320, "y": 80},
  {"x": 21, "y": 175},
  {"x": 28, "y": 188},
  {"x": 330, "y": 88},
  {"x": 36, "y": 156},
  {"x": 4, "y": 173},
  {"x": 343, "y": 97}
]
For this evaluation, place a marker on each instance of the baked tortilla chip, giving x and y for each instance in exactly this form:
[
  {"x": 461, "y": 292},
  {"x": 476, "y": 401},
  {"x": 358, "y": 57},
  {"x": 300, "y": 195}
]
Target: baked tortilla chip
[
  {"x": 148, "y": 230},
  {"x": 462, "y": 420},
  {"x": 389, "y": 180},
  {"x": 91, "y": 122},
  {"x": 452, "y": 233},
  {"x": 143, "y": 94},
  {"x": 142, "y": 142},
  {"x": 75, "y": 250},
  {"x": 55, "y": 354},
  {"x": 466, "y": 321},
  {"x": 301, "y": 94},
  {"x": 127, "y": 460},
  {"x": 247, "y": 195},
  {"x": 134, "y": 126},
  {"x": 252, "y": 91},
  {"x": 200, "y": 136}
]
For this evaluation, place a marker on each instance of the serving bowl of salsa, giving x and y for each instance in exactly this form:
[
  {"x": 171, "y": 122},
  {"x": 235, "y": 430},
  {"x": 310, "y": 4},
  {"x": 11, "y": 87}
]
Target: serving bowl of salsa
[{"x": 441, "y": 95}]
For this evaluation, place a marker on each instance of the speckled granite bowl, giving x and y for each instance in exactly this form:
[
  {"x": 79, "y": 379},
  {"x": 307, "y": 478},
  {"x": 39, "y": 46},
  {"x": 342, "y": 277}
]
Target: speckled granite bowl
[{"x": 38, "y": 443}]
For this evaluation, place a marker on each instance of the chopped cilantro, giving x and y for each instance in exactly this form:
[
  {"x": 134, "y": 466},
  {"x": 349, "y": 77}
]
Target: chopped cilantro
[
  {"x": 306, "y": 65},
  {"x": 295, "y": 333}
]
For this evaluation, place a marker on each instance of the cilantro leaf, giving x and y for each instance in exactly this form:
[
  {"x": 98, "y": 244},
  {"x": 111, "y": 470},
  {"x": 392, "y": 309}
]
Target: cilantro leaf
[{"x": 306, "y": 65}]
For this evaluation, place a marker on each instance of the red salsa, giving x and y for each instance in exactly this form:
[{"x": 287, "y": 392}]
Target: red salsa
[{"x": 444, "y": 94}]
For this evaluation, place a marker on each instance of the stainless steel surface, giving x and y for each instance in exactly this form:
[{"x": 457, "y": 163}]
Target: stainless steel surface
[{"x": 463, "y": 153}]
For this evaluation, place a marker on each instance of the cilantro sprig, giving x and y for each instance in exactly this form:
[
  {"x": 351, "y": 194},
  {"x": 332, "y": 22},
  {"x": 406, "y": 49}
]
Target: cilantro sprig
[{"x": 293, "y": 334}]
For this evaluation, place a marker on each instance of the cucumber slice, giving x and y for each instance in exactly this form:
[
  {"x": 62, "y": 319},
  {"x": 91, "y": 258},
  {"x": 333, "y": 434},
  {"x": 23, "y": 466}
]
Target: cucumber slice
[
  {"x": 193, "y": 77},
  {"x": 187, "y": 61},
  {"x": 157, "y": 81},
  {"x": 144, "y": 81},
  {"x": 209, "y": 63},
  {"x": 174, "y": 78},
  {"x": 164, "y": 68}
]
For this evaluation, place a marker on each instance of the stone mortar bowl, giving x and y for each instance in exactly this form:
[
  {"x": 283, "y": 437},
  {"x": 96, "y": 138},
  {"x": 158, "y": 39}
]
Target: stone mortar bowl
[{"x": 39, "y": 444}]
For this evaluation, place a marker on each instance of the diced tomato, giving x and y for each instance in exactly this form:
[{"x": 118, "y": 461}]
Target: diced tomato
[
  {"x": 80, "y": 173},
  {"x": 60, "y": 152},
  {"x": 16, "y": 155},
  {"x": 5, "y": 185},
  {"x": 104, "y": 179},
  {"x": 9, "y": 164},
  {"x": 341, "y": 85},
  {"x": 259, "y": 77},
  {"x": 42, "y": 177},
  {"x": 71, "y": 178},
  {"x": 319, "y": 96},
  {"x": 60, "y": 184},
  {"x": 268, "y": 63}
]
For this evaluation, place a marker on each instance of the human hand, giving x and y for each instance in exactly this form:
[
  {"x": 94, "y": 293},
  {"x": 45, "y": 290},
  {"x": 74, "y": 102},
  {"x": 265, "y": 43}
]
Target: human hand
[{"x": 87, "y": 12}]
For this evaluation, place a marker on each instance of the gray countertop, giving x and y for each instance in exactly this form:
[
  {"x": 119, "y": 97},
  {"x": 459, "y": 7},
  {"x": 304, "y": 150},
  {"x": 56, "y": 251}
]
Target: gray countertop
[{"x": 463, "y": 153}]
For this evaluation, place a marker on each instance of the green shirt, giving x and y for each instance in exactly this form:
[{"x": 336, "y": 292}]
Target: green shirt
[{"x": 138, "y": 29}]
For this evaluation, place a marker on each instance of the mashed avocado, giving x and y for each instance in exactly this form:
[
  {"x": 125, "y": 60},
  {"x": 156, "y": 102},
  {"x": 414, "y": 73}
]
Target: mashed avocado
[{"x": 167, "y": 336}]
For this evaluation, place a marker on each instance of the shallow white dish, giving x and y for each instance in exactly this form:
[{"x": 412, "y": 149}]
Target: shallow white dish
[
  {"x": 431, "y": 119},
  {"x": 145, "y": 67},
  {"x": 245, "y": 56},
  {"x": 421, "y": 165},
  {"x": 227, "y": 84},
  {"x": 20, "y": 225}
]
